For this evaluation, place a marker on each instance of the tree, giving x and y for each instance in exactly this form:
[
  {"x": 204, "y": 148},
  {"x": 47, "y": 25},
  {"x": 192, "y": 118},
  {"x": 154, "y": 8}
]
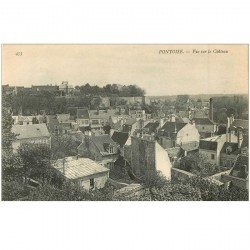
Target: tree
[
  {"x": 63, "y": 146},
  {"x": 36, "y": 160}
]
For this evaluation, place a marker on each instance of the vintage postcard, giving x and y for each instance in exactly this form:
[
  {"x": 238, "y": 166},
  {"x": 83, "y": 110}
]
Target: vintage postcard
[{"x": 125, "y": 122}]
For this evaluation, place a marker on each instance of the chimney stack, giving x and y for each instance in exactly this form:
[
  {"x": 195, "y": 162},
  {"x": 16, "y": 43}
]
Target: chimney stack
[{"x": 211, "y": 109}]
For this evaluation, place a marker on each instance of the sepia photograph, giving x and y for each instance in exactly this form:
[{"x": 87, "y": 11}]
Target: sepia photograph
[{"x": 142, "y": 122}]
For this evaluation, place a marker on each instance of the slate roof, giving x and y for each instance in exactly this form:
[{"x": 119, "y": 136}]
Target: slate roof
[
  {"x": 120, "y": 138},
  {"x": 30, "y": 131},
  {"x": 101, "y": 140},
  {"x": 240, "y": 123},
  {"x": 240, "y": 168},
  {"x": 203, "y": 121},
  {"x": 208, "y": 145},
  {"x": 82, "y": 114},
  {"x": 79, "y": 168},
  {"x": 169, "y": 127},
  {"x": 152, "y": 126}
]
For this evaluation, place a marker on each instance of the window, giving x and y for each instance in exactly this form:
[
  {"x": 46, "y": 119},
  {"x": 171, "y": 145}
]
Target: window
[
  {"x": 92, "y": 183},
  {"x": 111, "y": 149},
  {"x": 203, "y": 127},
  {"x": 212, "y": 156}
]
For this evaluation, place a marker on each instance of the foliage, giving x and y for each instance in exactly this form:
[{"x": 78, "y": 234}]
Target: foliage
[
  {"x": 13, "y": 190},
  {"x": 63, "y": 146},
  {"x": 212, "y": 192},
  {"x": 35, "y": 159},
  {"x": 199, "y": 165},
  {"x": 181, "y": 102}
]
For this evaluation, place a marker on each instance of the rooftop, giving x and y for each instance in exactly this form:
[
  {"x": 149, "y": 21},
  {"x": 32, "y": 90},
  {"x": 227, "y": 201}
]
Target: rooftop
[
  {"x": 82, "y": 114},
  {"x": 203, "y": 121},
  {"x": 30, "y": 131},
  {"x": 77, "y": 168},
  {"x": 120, "y": 137}
]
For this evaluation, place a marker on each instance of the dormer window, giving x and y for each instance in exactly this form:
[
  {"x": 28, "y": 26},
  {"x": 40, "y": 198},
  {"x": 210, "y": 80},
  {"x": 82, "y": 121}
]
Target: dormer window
[{"x": 108, "y": 148}]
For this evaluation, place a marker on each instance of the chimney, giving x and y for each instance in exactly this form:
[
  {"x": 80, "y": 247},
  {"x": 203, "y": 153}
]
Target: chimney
[
  {"x": 227, "y": 129},
  {"x": 172, "y": 118},
  {"x": 239, "y": 136},
  {"x": 211, "y": 109}
]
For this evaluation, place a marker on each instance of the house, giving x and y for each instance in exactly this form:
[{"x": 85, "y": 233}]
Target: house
[
  {"x": 130, "y": 126},
  {"x": 123, "y": 139},
  {"x": 177, "y": 133},
  {"x": 211, "y": 147},
  {"x": 65, "y": 89},
  {"x": 82, "y": 119},
  {"x": 52, "y": 124},
  {"x": 63, "y": 118},
  {"x": 151, "y": 128},
  {"x": 83, "y": 172},
  {"x": 205, "y": 126},
  {"x": 99, "y": 148},
  {"x": 23, "y": 120},
  {"x": 189, "y": 148},
  {"x": 238, "y": 176},
  {"x": 239, "y": 123},
  {"x": 34, "y": 133},
  {"x": 229, "y": 154},
  {"x": 48, "y": 88},
  {"x": 147, "y": 156}
]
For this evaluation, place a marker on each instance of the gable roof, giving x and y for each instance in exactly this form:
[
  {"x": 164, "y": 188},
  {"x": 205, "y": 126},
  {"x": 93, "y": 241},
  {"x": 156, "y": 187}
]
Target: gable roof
[
  {"x": 101, "y": 141},
  {"x": 82, "y": 114},
  {"x": 152, "y": 126},
  {"x": 78, "y": 168},
  {"x": 30, "y": 131},
  {"x": 169, "y": 127},
  {"x": 120, "y": 137},
  {"x": 203, "y": 121}
]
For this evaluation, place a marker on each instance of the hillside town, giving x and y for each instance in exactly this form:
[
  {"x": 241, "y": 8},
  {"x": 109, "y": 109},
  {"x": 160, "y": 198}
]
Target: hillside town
[{"x": 116, "y": 143}]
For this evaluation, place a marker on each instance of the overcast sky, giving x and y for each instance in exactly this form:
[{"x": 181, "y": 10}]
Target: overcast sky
[{"x": 157, "y": 73}]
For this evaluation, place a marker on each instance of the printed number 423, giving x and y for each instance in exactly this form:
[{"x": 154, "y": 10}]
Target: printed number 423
[{"x": 19, "y": 53}]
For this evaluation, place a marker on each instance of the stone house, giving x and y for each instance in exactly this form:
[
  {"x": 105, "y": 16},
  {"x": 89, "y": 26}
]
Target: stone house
[
  {"x": 34, "y": 133},
  {"x": 83, "y": 172},
  {"x": 101, "y": 149},
  {"x": 172, "y": 134},
  {"x": 205, "y": 126},
  {"x": 147, "y": 156}
]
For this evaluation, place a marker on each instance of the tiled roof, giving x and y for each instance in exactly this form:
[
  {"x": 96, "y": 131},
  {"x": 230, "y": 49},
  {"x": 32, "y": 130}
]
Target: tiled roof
[
  {"x": 30, "y": 131},
  {"x": 78, "y": 168},
  {"x": 101, "y": 140},
  {"x": 82, "y": 114},
  {"x": 240, "y": 168},
  {"x": 240, "y": 123},
  {"x": 120, "y": 137},
  {"x": 203, "y": 121},
  {"x": 233, "y": 146}
]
